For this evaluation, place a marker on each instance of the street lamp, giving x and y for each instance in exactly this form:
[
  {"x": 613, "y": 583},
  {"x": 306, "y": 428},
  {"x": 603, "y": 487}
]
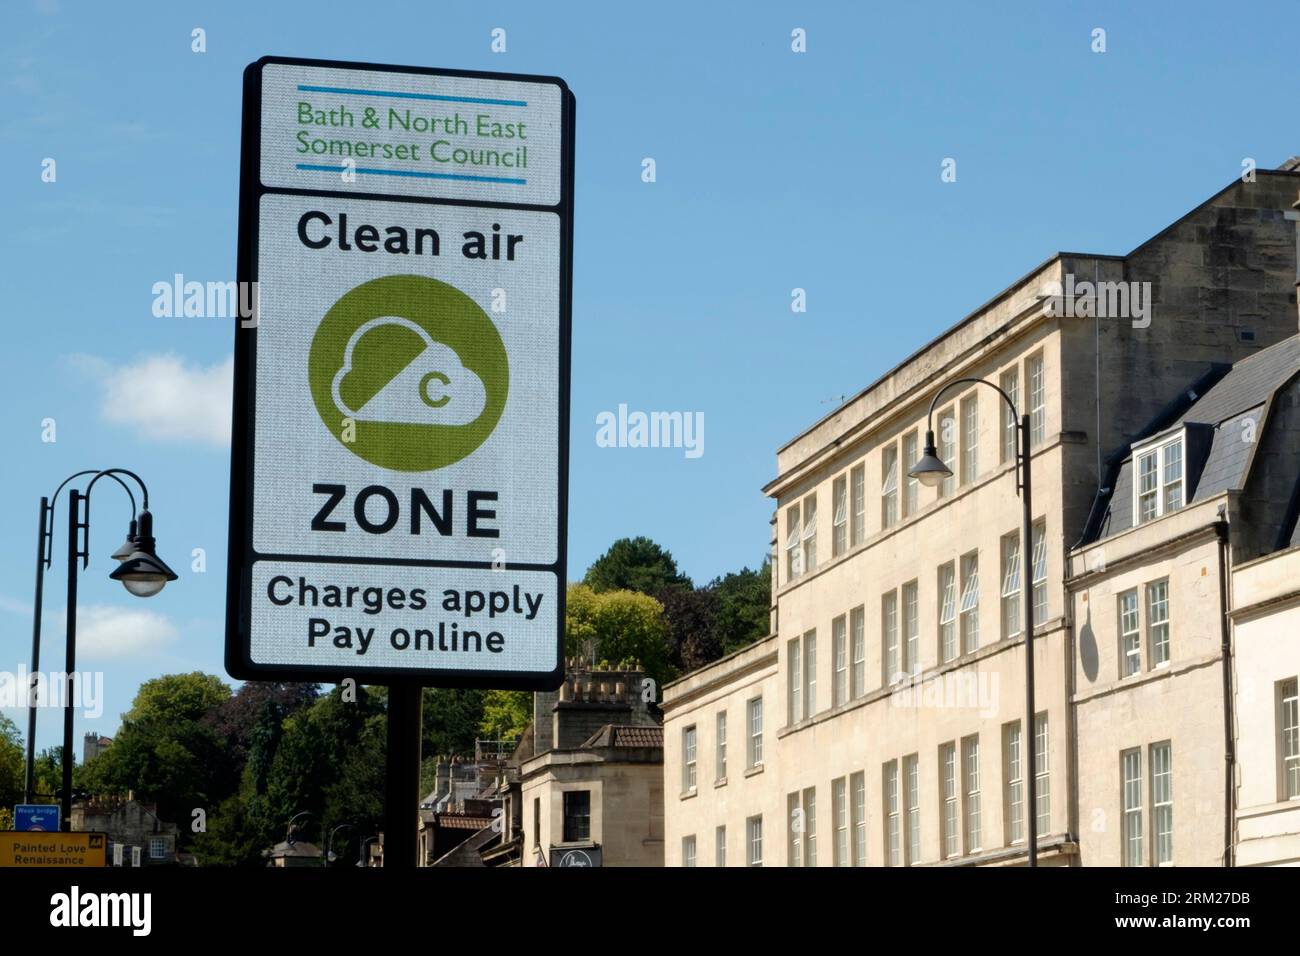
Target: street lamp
[
  {"x": 363, "y": 850},
  {"x": 142, "y": 572},
  {"x": 930, "y": 471},
  {"x": 44, "y": 556},
  {"x": 142, "y": 579},
  {"x": 289, "y": 836},
  {"x": 329, "y": 847}
]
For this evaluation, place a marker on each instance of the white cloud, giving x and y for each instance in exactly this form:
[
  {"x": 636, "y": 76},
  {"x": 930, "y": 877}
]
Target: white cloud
[
  {"x": 14, "y": 606},
  {"x": 166, "y": 399},
  {"x": 106, "y": 631}
]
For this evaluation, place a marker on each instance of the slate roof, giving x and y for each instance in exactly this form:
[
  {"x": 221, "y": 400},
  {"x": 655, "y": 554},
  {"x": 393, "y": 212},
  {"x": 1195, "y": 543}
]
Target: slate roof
[
  {"x": 1250, "y": 383},
  {"x": 1233, "y": 403},
  {"x": 625, "y": 735}
]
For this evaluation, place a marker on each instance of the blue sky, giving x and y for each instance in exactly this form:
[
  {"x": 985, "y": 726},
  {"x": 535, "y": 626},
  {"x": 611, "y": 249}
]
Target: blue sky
[{"x": 775, "y": 170}]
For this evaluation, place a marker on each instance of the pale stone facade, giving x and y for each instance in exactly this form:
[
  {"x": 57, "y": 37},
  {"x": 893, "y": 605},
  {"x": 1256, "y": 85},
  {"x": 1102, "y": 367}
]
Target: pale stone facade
[
  {"x": 893, "y": 684},
  {"x": 592, "y": 780},
  {"x": 1266, "y": 638}
]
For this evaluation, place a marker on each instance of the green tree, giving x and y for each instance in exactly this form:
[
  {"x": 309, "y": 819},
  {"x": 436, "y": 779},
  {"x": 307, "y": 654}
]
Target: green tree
[
  {"x": 635, "y": 564},
  {"x": 12, "y": 761},
  {"x": 506, "y": 714},
  {"x": 47, "y": 773},
  {"x": 616, "y": 626},
  {"x": 178, "y": 697},
  {"x": 451, "y": 720},
  {"x": 692, "y": 618},
  {"x": 744, "y": 606},
  {"x": 166, "y": 749},
  {"x": 330, "y": 764}
]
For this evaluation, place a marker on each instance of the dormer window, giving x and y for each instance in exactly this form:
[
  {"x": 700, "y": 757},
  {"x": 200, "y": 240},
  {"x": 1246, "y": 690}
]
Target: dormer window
[{"x": 1158, "y": 480}]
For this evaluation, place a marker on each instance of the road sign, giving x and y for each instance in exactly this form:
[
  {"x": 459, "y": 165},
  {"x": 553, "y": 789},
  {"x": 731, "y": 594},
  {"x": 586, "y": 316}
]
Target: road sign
[
  {"x": 36, "y": 816},
  {"x": 400, "y": 440},
  {"x": 40, "y": 848}
]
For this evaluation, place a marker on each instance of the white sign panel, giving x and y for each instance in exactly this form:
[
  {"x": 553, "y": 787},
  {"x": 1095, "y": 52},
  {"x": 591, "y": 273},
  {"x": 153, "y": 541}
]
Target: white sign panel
[
  {"x": 400, "y": 453},
  {"x": 412, "y": 134}
]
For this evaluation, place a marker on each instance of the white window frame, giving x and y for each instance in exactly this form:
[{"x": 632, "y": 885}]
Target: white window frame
[
  {"x": 793, "y": 539},
  {"x": 947, "y": 442},
  {"x": 157, "y": 848},
  {"x": 911, "y": 627},
  {"x": 1043, "y": 773},
  {"x": 795, "y": 820},
  {"x": 1288, "y": 738},
  {"x": 1010, "y": 435},
  {"x": 971, "y": 811},
  {"x": 948, "y": 797},
  {"x": 690, "y": 759},
  {"x": 888, "y": 486},
  {"x": 1166, "y": 494},
  {"x": 688, "y": 851},
  {"x": 892, "y": 801},
  {"x": 858, "y": 789},
  {"x": 1036, "y": 391},
  {"x": 1130, "y": 633},
  {"x": 969, "y": 607},
  {"x": 810, "y": 672},
  {"x": 840, "y": 811},
  {"x": 840, "y": 657},
  {"x": 810, "y": 533},
  {"x": 810, "y": 826},
  {"x": 720, "y": 747},
  {"x": 754, "y": 722},
  {"x": 947, "y": 593},
  {"x": 1157, "y": 608},
  {"x": 858, "y": 505},
  {"x": 754, "y": 840},
  {"x": 1039, "y": 569},
  {"x": 891, "y": 672},
  {"x": 794, "y": 679},
  {"x": 970, "y": 438},
  {"x": 912, "y": 797},
  {"x": 1161, "y": 761},
  {"x": 1012, "y": 605},
  {"x": 911, "y": 502},
  {"x": 858, "y": 640},
  {"x": 839, "y": 516},
  {"x": 720, "y": 846},
  {"x": 1013, "y": 774},
  {"x": 1131, "y": 793}
]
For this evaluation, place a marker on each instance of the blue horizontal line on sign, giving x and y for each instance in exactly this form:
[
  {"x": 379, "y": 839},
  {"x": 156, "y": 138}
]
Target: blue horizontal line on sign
[
  {"x": 413, "y": 172},
  {"x": 483, "y": 100}
]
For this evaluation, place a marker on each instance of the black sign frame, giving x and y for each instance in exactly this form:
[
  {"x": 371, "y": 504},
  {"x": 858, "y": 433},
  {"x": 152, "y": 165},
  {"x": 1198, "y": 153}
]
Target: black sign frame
[{"x": 241, "y": 554}]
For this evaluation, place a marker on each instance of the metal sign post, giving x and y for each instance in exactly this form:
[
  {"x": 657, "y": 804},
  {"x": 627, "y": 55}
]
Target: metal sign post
[{"x": 400, "y": 439}]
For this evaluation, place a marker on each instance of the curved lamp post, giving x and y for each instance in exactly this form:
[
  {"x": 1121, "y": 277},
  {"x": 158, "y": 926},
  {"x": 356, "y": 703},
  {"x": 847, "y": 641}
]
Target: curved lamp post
[
  {"x": 141, "y": 571},
  {"x": 329, "y": 851},
  {"x": 931, "y": 471},
  {"x": 289, "y": 836}
]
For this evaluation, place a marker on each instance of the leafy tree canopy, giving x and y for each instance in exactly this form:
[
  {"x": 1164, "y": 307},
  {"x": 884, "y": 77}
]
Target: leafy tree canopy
[
  {"x": 617, "y": 626},
  {"x": 635, "y": 564}
]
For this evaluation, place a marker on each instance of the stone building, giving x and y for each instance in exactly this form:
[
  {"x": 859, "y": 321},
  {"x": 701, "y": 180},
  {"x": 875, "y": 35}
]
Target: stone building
[
  {"x": 1266, "y": 622},
  {"x": 1208, "y": 488},
  {"x": 591, "y": 779},
  {"x": 129, "y": 823},
  {"x": 883, "y": 721},
  {"x": 93, "y": 745}
]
